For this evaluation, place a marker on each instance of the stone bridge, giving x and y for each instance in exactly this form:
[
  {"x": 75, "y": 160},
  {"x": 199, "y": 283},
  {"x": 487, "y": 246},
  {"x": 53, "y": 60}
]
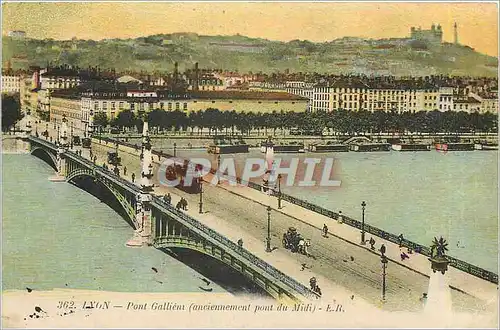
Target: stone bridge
[{"x": 163, "y": 226}]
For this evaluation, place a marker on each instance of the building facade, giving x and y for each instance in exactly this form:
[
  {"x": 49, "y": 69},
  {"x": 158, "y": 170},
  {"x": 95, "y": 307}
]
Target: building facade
[{"x": 11, "y": 84}]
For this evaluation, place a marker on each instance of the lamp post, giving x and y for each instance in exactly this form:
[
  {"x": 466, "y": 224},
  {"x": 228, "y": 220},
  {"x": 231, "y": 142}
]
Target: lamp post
[
  {"x": 279, "y": 191},
  {"x": 58, "y": 134},
  {"x": 71, "y": 135},
  {"x": 175, "y": 149},
  {"x": 268, "y": 239},
  {"x": 363, "y": 205},
  {"x": 200, "y": 181},
  {"x": 383, "y": 260},
  {"x": 218, "y": 161}
]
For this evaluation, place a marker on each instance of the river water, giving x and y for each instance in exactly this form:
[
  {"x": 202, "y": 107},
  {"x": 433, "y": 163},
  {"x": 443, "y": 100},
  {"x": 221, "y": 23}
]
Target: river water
[
  {"x": 418, "y": 194},
  {"x": 56, "y": 235}
]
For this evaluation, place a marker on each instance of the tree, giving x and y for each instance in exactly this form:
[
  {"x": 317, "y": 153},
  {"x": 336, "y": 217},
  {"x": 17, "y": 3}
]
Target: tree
[
  {"x": 11, "y": 111},
  {"x": 101, "y": 120},
  {"x": 125, "y": 118}
]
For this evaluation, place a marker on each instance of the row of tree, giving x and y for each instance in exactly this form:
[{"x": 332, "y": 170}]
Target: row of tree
[
  {"x": 11, "y": 111},
  {"x": 342, "y": 121}
]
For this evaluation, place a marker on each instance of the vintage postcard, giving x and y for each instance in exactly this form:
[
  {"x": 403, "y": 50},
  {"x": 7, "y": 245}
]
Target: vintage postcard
[{"x": 249, "y": 165}]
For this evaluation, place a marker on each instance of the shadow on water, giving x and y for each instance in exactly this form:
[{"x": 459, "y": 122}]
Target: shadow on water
[
  {"x": 101, "y": 192},
  {"x": 45, "y": 157},
  {"x": 214, "y": 270}
]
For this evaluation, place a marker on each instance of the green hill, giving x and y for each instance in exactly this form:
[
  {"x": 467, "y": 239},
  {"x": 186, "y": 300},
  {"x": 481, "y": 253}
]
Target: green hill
[{"x": 346, "y": 55}]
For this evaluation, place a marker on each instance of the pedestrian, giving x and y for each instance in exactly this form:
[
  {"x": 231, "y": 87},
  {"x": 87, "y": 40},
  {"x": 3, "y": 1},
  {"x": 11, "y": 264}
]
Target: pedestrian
[
  {"x": 185, "y": 205},
  {"x": 169, "y": 198},
  {"x": 318, "y": 290},
  {"x": 372, "y": 243},
  {"x": 400, "y": 239},
  {"x": 178, "y": 206},
  {"x": 325, "y": 230},
  {"x": 240, "y": 243},
  {"x": 382, "y": 249},
  {"x": 125, "y": 170},
  {"x": 312, "y": 283},
  {"x": 133, "y": 177},
  {"x": 423, "y": 299},
  {"x": 340, "y": 217}
]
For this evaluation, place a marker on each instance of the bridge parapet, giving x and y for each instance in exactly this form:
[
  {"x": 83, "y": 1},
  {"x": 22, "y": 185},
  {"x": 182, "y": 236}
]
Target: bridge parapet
[{"x": 237, "y": 250}]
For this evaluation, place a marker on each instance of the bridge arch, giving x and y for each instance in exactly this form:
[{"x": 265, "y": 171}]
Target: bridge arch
[
  {"x": 202, "y": 246},
  {"x": 51, "y": 160},
  {"x": 126, "y": 205}
]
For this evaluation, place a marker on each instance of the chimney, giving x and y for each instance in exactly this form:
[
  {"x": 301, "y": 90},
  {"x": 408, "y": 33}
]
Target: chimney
[{"x": 196, "y": 77}]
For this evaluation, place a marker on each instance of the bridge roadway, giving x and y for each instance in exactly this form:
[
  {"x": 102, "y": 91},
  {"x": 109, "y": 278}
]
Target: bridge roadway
[{"x": 239, "y": 212}]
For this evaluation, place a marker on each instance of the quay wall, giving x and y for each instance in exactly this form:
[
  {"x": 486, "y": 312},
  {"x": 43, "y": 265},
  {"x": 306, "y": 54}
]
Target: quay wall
[{"x": 14, "y": 144}]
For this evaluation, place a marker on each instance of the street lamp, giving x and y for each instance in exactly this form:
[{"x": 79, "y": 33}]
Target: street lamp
[
  {"x": 71, "y": 135},
  {"x": 58, "y": 134},
  {"x": 279, "y": 191},
  {"x": 218, "y": 161},
  {"x": 268, "y": 239},
  {"x": 363, "y": 205},
  {"x": 200, "y": 181},
  {"x": 175, "y": 149},
  {"x": 383, "y": 260}
]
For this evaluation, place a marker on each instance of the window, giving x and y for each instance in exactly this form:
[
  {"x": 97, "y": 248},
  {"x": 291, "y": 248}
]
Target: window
[
  {"x": 120, "y": 105},
  {"x": 169, "y": 106},
  {"x": 132, "y": 106},
  {"x": 177, "y": 106},
  {"x": 185, "y": 106},
  {"x": 162, "y": 105}
]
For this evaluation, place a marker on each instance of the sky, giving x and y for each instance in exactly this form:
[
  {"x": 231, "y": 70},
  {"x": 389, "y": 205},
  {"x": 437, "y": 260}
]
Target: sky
[{"x": 314, "y": 21}]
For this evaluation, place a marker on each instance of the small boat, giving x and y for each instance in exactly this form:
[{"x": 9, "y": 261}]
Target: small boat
[
  {"x": 370, "y": 147},
  {"x": 206, "y": 289},
  {"x": 284, "y": 148},
  {"x": 227, "y": 145},
  {"x": 454, "y": 146},
  {"x": 486, "y": 146},
  {"x": 411, "y": 147},
  {"x": 328, "y": 147}
]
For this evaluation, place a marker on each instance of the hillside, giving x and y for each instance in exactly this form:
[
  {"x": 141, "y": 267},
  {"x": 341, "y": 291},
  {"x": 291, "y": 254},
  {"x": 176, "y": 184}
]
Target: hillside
[{"x": 346, "y": 55}]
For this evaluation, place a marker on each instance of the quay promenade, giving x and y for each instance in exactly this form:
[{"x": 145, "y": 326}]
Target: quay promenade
[{"x": 339, "y": 259}]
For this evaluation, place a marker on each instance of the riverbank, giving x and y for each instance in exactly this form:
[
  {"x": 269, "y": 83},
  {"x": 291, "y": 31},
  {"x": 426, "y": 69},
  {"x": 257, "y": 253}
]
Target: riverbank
[{"x": 178, "y": 311}]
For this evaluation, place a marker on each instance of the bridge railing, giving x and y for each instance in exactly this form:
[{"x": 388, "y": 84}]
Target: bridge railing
[
  {"x": 454, "y": 262},
  {"x": 103, "y": 172},
  {"x": 275, "y": 273}
]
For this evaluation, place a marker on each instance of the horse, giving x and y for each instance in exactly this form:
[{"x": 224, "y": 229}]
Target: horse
[{"x": 303, "y": 246}]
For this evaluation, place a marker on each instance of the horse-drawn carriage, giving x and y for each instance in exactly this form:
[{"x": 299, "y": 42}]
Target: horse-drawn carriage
[{"x": 294, "y": 242}]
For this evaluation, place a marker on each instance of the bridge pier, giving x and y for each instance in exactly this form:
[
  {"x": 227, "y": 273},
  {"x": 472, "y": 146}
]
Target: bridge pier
[
  {"x": 143, "y": 233},
  {"x": 62, "y": 147}
]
